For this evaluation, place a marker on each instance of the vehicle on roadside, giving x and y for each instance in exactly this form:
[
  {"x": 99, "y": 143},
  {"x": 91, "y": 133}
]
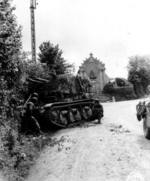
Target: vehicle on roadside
[{"x": 62, "y": 107}]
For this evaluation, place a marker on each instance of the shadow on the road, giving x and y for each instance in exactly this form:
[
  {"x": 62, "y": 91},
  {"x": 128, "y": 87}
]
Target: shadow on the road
[
  {"x": 77, "y": 126},
  {"x": 143, "y": 142}
]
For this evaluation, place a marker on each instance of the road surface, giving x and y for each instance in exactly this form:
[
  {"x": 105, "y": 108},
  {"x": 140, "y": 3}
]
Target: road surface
[{"x": 115, "y": 150}]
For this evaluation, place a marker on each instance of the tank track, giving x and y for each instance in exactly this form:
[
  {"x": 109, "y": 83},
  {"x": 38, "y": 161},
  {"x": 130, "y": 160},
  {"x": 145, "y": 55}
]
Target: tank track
[{"x": 65, "y": 114}]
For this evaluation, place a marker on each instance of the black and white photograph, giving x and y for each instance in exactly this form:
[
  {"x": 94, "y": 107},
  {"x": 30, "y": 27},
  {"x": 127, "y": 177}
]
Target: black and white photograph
[{"x": 74, "y": 90}]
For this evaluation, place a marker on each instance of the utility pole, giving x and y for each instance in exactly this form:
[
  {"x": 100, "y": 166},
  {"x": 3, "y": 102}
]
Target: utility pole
[{"x": 33, "y": 39}]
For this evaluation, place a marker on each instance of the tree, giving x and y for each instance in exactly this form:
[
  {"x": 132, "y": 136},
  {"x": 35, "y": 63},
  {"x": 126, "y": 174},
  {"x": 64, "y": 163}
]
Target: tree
[
  {"x": 10, "y": 43},
  {"x": 52, "y": 56},
  {"x": 139, "y": 73},
  {"x": 10, "y": 46}
]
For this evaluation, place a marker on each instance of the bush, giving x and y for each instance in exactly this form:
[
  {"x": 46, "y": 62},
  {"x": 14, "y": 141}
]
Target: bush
[
  {"x": 120, "y": 93},
  {"x": 19, "y": 152}
]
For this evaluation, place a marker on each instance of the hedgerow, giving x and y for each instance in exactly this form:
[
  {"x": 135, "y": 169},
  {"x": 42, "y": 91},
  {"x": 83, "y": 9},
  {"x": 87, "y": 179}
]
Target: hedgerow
[{"x": 120, "y": 93}]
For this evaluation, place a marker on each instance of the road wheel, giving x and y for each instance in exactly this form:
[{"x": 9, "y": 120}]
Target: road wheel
[
  {"x": 146, "y": 129},
  {"x": 46, "y": 119}
]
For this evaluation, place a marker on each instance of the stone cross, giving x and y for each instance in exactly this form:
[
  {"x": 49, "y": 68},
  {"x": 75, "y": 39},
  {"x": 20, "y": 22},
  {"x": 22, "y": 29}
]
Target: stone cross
[{"x": 91, "y": 54}]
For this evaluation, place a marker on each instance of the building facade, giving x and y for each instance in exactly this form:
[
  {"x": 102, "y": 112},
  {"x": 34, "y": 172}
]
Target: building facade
[{"x": 94, "y": 70}]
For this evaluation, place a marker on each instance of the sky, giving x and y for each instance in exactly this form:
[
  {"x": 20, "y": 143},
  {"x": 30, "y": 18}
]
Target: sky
[{"x": 113, "y": 30}]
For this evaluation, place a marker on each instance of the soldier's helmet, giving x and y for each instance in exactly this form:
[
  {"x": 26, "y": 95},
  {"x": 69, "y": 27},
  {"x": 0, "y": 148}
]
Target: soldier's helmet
[
  {"x": 34, "y": 100},
  {"x": 35, "y": 95},
  {"x": 96, "y": 100}
]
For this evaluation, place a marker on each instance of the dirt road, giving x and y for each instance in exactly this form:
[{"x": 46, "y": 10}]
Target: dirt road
[{"x": 114, "y": 151}]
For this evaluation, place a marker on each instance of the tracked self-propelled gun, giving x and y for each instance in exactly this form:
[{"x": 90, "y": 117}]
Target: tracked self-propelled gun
[{"x": 64, "y": 101}]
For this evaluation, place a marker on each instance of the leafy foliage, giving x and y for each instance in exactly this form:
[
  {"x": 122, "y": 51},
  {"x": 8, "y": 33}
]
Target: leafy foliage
[
  {"x": 10, "y": 43},
  {"x": 139, "y": 66},
  {"x": 10, "y": 89},
  {"x": 52, "y": 56},
  {"x": 33, "y": 70},
  {"x": 120, "y": 93}
]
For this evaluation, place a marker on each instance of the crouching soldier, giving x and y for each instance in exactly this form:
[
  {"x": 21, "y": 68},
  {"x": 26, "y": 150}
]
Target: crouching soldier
[
  {"x": 98, "y": 111},
  {"x": 30, "y": 112}
]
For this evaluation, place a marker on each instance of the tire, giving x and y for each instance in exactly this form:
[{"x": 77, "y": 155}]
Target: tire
[{"x": 146, "y": 129}]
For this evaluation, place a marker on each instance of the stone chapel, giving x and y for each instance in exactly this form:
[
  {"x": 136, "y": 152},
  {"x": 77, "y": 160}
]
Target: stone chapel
[{"x": 94, "y": 70}]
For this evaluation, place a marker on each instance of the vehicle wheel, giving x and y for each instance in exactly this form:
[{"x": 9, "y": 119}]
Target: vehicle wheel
[
  {"x": 71, "y": 117},
  {"x": 146, "y": 129},
  {"x": 46, "y": 119}
]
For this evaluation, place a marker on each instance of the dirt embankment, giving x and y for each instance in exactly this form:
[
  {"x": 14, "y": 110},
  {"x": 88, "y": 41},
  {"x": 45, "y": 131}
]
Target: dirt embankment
[{"x": 114, "y": 151}]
